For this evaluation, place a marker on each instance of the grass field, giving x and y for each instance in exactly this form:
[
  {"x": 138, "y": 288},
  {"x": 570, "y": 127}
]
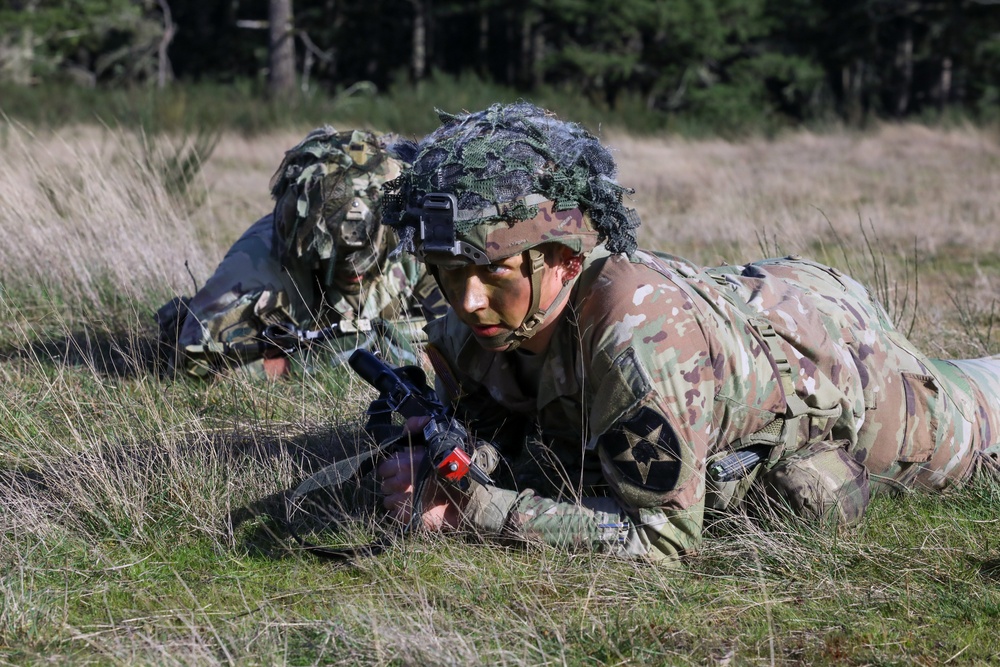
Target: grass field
[{"x": 134, "y": 507}]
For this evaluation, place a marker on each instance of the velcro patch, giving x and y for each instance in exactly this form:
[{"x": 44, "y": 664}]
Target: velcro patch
[{"x": 645, "y": 450}]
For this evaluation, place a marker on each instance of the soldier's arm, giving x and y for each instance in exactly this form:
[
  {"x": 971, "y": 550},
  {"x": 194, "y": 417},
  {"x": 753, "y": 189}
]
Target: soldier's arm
[
  {"x": 651, "y": 459},
  {"x": 593, "y": 523},
  {"x": 654, "y": 511}
]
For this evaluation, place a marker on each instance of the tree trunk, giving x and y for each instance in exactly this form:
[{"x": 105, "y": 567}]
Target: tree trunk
[
  {"x": 852, "y": 77},
  {"x": 510, "y": 39},
  {"x": 17, "y": 53},
  {"x": 537, "y": 53},
  {"x": 904, "y": 69},
  {"x": 281, "y": 72},
  {"x": 945, "y": 83},
  {"x": 418, "y": 57},
  {"x": 531, "y": 50},
  {"x": 483, "y": 42},
  {"x": 164, "y": 72},
  {"x": 527, "y": 60}
]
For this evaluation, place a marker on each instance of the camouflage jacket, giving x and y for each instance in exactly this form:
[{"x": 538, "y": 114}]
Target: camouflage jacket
[{"x": 658, "y": 367}]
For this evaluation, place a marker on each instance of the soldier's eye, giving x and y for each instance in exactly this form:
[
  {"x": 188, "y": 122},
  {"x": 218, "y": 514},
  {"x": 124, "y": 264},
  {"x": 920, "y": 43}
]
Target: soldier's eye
[{"x": 496, "y": 269}]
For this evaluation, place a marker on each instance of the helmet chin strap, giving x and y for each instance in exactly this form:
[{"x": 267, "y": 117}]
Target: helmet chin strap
[{"x": 535, "y": 316}]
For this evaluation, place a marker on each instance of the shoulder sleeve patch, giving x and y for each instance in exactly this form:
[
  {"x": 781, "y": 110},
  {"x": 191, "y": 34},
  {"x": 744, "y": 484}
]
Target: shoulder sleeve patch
[
  {"x": 623, "y": 386},
  {"x": 644, "y": 451}
]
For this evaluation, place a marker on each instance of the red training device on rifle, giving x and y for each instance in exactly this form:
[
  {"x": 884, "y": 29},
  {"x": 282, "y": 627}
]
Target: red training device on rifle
[{"x": 455, "y": 466}]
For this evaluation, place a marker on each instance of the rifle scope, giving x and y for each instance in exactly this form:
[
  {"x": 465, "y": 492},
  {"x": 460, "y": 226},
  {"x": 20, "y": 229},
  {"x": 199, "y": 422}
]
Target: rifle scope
[{"x": 374, "y": 371}]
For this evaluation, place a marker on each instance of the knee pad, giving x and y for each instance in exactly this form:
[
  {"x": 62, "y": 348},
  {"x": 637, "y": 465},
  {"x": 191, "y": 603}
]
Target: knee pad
[{"x": 821, "y": 483}]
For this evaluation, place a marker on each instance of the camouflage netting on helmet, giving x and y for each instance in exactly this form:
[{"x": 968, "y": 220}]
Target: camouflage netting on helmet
[
  {"x": 494, "y": 157},
  {"x": 315, "y": 184}
]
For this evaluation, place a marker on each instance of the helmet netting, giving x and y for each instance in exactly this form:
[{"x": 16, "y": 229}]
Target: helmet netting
[
  {"x": 505, "y": 152},
  {"x": 314, "y": 186}
]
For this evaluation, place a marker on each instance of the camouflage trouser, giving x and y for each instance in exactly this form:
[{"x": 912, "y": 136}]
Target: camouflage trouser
[{"x": 914, "y": 422}]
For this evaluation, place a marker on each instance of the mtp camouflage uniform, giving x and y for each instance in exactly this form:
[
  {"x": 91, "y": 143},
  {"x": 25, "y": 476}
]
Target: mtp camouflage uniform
[{"x": 284, "y": 269}]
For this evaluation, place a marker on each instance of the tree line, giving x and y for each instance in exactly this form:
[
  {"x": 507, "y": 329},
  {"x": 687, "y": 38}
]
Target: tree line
[{"x": 798, "y": 60}]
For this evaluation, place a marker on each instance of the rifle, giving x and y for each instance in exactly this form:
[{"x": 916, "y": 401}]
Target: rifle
[
  {"x": 403, "y": 391},
  {"x": 288, "y": 338},
  {"x": 445, "y": 437}
]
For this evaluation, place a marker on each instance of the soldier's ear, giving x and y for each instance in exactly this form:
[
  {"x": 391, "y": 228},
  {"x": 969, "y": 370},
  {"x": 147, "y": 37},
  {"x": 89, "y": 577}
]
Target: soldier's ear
[{"x": 569, "y": 262}]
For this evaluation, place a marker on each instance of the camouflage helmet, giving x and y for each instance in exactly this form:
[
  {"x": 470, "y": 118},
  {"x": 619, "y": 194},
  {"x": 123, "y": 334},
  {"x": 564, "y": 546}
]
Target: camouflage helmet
[
  {"x": 326, "y": 194},
  {"x": 500, "y": 182}
]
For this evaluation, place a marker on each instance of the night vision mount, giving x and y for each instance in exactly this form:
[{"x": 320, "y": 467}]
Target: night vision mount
[{"x": 437, "y": 213}]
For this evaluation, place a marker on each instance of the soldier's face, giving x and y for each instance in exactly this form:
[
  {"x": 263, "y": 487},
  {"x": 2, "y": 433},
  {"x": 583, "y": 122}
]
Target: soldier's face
[
  {"x": 493, "y": 299},
  {"x": 349, "y": 271}
]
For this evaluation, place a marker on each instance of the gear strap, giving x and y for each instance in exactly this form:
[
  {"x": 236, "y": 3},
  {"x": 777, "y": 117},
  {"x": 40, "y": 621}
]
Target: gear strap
[
  {"x": 781, "y": 434},
  {"x": 535, "y": 316}
]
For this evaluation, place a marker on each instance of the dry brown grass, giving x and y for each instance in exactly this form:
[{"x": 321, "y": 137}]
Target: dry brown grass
[
  {"x": 711, "y": 200},
  {"x": 120, "y": 491},
  {"x": 80, "y": 212},
  {"x": 941, "y": 187}
]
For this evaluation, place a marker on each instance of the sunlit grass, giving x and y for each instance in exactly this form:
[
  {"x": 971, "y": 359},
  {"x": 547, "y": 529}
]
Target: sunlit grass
[{"x": 136, "y": 509}]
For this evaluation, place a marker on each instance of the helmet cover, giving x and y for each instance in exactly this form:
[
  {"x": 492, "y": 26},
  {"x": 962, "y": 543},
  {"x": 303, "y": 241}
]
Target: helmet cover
[
  {"x": 518, "y": 177},
  {"x": 327, "y": 192}
]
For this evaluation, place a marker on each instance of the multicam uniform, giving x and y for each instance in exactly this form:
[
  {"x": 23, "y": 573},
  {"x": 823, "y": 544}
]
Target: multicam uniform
[
  {"x": 658, "y": 367},
  {"x": 283, "y": 270},
  {"x": 656, "y": 374}
]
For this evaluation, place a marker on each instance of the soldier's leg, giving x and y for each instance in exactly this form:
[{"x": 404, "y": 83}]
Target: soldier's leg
[
  {"x": 982, "y": 379},
  {"x": 914, "y": 424},
  {"x": 919, "y": 422},
  {"x": 918, "y": 428}
]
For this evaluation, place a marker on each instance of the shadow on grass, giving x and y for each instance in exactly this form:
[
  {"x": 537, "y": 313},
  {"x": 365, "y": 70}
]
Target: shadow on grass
[
  {"x": 261, "y": 527},
  {"x": 990, "y": 569},
  {"x": 107, "y": 353},
  {"x": 96, "y": 492},
  {"x": 335, "y": 517}
]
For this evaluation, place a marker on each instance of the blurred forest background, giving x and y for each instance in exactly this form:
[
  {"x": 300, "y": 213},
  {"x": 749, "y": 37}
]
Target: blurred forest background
[{"x": 727, "y": 67}]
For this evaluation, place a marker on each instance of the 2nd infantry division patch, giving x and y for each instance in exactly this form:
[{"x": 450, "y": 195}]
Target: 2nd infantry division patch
[{"x": 645, "y": 450}]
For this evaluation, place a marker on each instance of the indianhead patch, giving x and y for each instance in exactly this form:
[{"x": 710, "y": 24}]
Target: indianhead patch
[{"x": 645, "y": 451}]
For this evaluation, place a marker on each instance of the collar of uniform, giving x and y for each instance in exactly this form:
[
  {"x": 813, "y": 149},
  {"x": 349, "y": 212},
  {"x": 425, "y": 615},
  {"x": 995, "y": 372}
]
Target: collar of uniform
[
  {"x": 496, "y": 372},
  {"x": 558, "y": 376},
  {"x": 471, "y": 360}
]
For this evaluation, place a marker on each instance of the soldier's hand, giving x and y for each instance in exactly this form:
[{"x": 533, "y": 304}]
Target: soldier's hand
[
  {"x": 441, "y": 512},
  {"x": 415, "y": 424}
]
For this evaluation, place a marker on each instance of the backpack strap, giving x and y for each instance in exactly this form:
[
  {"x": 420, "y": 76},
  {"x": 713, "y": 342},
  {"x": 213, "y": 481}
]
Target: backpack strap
[{"x": 781, "y": 434}]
